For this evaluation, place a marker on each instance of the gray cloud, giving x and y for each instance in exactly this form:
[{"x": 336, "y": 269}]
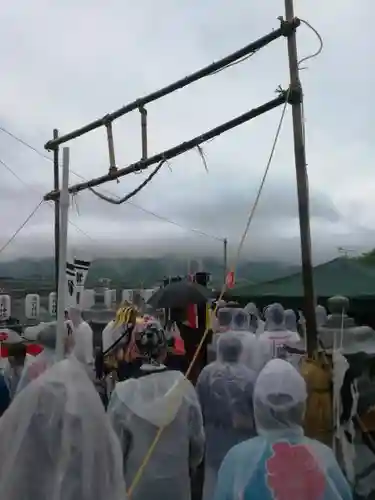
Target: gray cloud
[{"x": 106, "y": 55}]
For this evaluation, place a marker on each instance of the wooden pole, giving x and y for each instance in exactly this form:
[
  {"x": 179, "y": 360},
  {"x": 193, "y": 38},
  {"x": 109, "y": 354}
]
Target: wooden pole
[
  {"x": 225, "y": 259},
  {"x": 56, "y": 186},
  {"x": 296, "y": 96},
  {"x": 64, "y": 210}
]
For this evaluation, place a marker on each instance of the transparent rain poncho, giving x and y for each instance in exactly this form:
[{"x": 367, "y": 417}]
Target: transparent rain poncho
[
  {"x": 290, "y": 320},
  {"x": 137, "y": 409},
  {"x": 56, "y": 442},
  {"x": 225, "y": 390},
  {"x": 232, "y": 318},
  {"x": 83, "y": 338},
  {"x": 256, "y": 323},
  {"x": 276, "y": 335},
  {"x": 281, "y": 463},
  {"x": 45, "y": 335}
]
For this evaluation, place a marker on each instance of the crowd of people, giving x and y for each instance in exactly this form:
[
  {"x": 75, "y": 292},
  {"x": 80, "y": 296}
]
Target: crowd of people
[{"x": 240, "y": 421}]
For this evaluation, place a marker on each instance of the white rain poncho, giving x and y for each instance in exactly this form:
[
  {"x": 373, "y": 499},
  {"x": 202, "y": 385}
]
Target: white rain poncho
[
  {"x": 83, "y": 338},
  {"x": 232, "y": 318},
  {"x": 56, "y": 442},
  {"x": 281, "y": 463},
  {"x": 276, "y": 335},
  {"x": 290, "y": 320},
  {"x": 45, "y": 335},
  {"x": 229, "y": 320},
  {"x": 256, "y": 322},
  {"x": 225, "y": 389},
  {"x": 138, "y": 409}
]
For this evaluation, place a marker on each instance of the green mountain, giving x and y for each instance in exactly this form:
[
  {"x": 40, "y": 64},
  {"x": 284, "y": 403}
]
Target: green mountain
[{"x": 146, "y": 272}]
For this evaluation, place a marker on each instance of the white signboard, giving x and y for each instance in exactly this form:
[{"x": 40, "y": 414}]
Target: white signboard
[
  {"x": 52, "y": 304},
  {"x": 32, "y": 306},
  {"x": 5, "y": 307}
]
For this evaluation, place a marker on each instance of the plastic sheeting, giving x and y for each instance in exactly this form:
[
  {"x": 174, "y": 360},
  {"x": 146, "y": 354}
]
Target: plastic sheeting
[
  {"x": 56, "y": 442},
  {"x": 36, "y": 367},
  {"x": 281, "y": 463},
  {"x": 83, "y": 337},
  {"x": 276, "y": 335},
  {"x": 225, "y": 390},
  {"x": 232, "y": 318},
  {"x": 45, "y": 335},
  {"x": 137, "y": 409},
  {"x": 255, "y": 321},
  {"x": 290, "y": 320}
]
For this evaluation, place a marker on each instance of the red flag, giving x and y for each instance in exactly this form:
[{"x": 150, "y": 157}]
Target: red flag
[
  {"x": 192, "y": 315},
  {"x": 229, "y": 281},
  {"x": 179, "y": 346}
]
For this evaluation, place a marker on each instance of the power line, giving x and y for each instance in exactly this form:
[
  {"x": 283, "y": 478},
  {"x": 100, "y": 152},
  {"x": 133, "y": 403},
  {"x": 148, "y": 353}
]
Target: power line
[
  {"x": 15, "y": 234},
  {"x": 24, "y": 143},
  {"x": 10, "y": 170},
  {"x": 139, "y": 207}
]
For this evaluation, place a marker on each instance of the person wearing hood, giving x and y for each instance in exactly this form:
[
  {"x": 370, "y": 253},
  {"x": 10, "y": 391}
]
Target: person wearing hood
[
  {"x": 56, "y": 441},
  {"x": 256, "y": 322},
  {"x": 225, "y": 390},
  {"x": 290, "y": 320},
  {"x": 45, "y": 335},
  {"x": 164, "y": 401},
  {"x": 276, "y": 335},
  {"x": 83, "y": 338},
  {"x": 281, "y": 462}
]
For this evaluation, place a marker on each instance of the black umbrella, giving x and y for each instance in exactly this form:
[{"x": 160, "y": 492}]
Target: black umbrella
[{"x": 179, "y": 294}]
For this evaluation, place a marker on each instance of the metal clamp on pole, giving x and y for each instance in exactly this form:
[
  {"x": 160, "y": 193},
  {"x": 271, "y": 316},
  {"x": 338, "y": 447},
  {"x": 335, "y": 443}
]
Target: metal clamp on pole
[
  {"x": 111, "y": 149},
  {"x": 143, "y": 112}
]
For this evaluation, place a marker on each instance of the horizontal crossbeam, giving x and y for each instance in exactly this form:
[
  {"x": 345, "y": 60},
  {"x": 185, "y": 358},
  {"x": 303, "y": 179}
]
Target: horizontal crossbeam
[
  {"x": 181, "y": 148},
  {"x": 285, "y": 29}
]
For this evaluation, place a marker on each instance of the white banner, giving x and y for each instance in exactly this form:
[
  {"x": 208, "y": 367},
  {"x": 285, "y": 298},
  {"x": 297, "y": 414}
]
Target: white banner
[
  {"x": 76, "y": 275},
  {"x": 32, "y": 306},
  {"x": 5, "y": 307},
  {"x": 52, "y": 304}
]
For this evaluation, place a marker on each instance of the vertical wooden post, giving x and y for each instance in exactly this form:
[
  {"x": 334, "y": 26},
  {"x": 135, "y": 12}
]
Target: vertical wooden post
[
  {"x": 302, "y": 184},
  {"x": 63, "y": 239},
  {"x": 225, "y": 259},
  {"x": 56, "y": 187}
]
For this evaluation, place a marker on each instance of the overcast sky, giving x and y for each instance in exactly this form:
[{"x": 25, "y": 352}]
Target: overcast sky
[{"x": 66, "y": 63}]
